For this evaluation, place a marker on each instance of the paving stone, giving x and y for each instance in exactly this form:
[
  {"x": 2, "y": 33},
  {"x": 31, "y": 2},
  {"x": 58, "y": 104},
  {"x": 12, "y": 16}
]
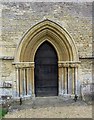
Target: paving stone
[{"x": 70, "y": 109}]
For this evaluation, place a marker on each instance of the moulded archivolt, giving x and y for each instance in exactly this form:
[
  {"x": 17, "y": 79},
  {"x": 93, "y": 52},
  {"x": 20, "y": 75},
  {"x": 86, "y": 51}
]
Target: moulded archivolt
[{"x": 52, "y": 32}]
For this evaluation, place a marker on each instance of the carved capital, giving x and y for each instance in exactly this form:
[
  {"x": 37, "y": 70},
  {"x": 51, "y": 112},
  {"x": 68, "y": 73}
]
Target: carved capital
[
  {"x": 65, "y": 64},
  {"x": 24, "y": 65},
  {"x": 60, "y": 65}
]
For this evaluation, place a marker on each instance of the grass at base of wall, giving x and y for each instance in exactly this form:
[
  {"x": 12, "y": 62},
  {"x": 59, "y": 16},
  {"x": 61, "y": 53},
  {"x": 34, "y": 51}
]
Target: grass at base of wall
[{"x": 2, "y": 112}]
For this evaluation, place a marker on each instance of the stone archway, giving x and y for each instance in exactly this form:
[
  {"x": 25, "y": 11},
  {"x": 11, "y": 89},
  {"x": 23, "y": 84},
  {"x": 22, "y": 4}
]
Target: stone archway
[
  {"x": 64, "y": 45},
  {"x": 54, "y": 33}
]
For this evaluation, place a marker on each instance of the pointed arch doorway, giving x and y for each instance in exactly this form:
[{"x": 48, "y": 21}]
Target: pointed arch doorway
[
  {"x": 54, "y": 41},
  {"x": 46, "y": 71}
]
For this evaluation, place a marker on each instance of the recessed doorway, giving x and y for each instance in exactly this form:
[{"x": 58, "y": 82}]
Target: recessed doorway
[{"x": 46, "y": 71}]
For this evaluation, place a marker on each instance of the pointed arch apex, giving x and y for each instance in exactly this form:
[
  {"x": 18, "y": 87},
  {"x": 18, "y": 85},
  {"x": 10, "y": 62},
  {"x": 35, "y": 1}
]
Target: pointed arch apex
[{"x": 47, "y": 30}]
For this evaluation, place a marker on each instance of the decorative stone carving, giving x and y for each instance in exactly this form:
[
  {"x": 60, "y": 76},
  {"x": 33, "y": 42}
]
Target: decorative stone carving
[
  {"x": 60, "y": 65},
  {"x": 23, "y": 64},
  {"x": 68, "y": 64}
]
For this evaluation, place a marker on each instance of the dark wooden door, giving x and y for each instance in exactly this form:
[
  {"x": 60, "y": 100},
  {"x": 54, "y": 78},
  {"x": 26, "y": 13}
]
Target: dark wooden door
[{"x": 46, "y": 71}]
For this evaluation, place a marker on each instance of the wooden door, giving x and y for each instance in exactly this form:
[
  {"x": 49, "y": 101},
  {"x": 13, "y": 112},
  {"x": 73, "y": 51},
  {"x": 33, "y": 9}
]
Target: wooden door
[{"x": 46, "y": 71}]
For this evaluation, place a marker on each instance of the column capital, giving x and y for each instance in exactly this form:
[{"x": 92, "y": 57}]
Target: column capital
[
  {"x": 68, "y": 63},
  {"x": 74, "y": 65},
  {"x": 24, "y": 64},
  {"x": 60, "y": 65},
  {"x": 65, "y": 64}
]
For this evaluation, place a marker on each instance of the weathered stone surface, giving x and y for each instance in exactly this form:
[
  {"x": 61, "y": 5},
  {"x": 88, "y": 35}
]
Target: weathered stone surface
[
  {"x": 18, "y": 17},
  {"x": 51, "y": 107},
  {"x": 87, "y": 91}
]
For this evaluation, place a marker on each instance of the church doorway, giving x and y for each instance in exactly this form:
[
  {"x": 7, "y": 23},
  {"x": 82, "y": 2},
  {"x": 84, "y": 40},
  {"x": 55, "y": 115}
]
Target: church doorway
[
  {"x": 46, "y": 62},
  {"x": 46, "y": 71}
]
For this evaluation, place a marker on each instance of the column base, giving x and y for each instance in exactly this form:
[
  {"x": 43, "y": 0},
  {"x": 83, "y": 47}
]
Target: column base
[
  {"x": 33, "y": 96},
  {"x": 68, "y": 96},
  {"x": 73, "y": 96}
]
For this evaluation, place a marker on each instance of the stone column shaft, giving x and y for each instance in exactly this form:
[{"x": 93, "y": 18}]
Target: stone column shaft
[
  {"x": 60, "y": 80},
  {"x": 21, "y": 76},
  {"x": 17, "y": 83},
  {"x": 32, "y": 79},
  {"x": 76, "y": 71},
  {"x": 73, "y": 81},
  {"x": 24, "y": 84},
  {"x": 68, "y": 80},
  {"x": 28, "y": 80},
  {"x": 19, "y": 80},
  {"x": 65, "y": 80}
]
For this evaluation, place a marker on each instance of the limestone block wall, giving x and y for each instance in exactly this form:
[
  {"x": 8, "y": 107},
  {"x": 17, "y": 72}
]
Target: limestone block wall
[
  {"x": 7, "y": 70},
  {"x": 85, "y": 71},
  {"x": 7, "y": 75},
  {"x": 76, "y": 18},
  {"x": 18, "y": 17}
]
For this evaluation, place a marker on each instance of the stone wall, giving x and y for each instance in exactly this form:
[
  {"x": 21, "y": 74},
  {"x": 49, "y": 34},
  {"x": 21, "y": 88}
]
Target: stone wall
[
  {"x": 18, "y": 17},
  {"x": 85, "y": 71},
  {"x": 85, "y": 74}
]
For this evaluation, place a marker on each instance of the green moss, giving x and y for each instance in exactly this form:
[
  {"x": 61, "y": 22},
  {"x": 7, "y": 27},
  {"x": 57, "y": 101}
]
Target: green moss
[{"x": 3, "y": 112}]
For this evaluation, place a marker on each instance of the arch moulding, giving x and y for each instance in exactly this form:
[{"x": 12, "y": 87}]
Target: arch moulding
[{"x": 50, "y": 31}]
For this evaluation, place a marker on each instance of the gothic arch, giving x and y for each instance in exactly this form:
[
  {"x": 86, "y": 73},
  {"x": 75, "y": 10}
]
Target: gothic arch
[
  {"x": 67, "y": 54},
  {"x": 50, "y": 31}
]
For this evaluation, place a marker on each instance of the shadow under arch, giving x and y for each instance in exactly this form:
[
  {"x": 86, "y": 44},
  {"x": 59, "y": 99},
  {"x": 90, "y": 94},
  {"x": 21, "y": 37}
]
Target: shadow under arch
[{"x": 46, "y": 43}]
